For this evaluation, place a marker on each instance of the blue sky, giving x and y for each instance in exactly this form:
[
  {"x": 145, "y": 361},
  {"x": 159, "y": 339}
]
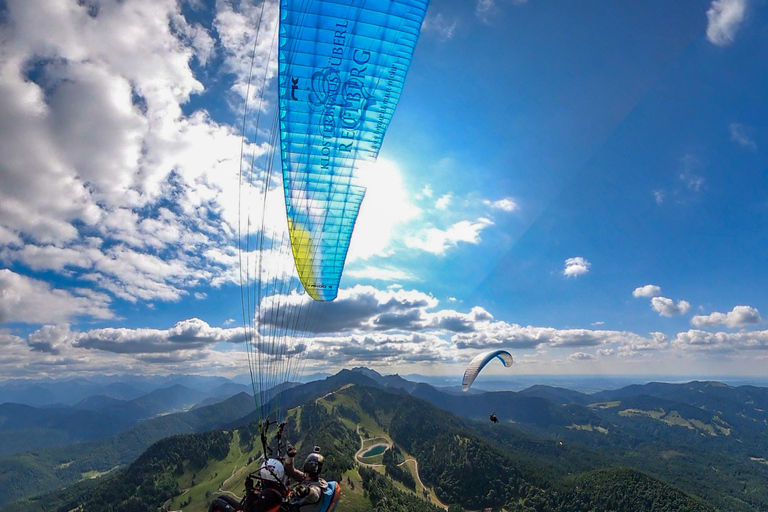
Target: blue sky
[{"x": 582, "y": 183}]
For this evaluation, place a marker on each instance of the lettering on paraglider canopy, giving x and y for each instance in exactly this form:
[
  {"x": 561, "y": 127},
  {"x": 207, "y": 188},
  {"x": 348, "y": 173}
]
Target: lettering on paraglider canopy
[
  {"x": 387, "y": 106},
  {"x": 342, "y": 103}
]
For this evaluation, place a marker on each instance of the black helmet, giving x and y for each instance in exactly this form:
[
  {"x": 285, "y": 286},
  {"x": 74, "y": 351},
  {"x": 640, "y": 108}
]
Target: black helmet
[{"x": 313, "y": 464}]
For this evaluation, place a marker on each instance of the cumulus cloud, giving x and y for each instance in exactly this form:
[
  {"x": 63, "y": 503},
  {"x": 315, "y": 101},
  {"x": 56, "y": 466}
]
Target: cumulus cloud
[
  {"x": 580, "y": 356},
  {"x": 29, "y": 300},
  {"x": 444, "y": 202},
  {"x": 363, "y": 326},
  {"x": 649, "y": 290},
  {"x": 575, "y": 267},
  {"x": 185, "y": 335},
  {"x": 506, "y": 204},
  {"x": 360, "y": 308},
  {"x": 382, "y": 349},
  {"x": 724, "y": 18},
  {"x": 632, "y": 347},
  {"x": 365, "y": 311},
  {"x": 739, "y": 316},
  {"x": 55, "y": 351},
  {"x": 667, "y": 307},
  {"x": 740, "y": 134},
  {"x": 721, "y": 341},
  {"x": 129, "y": 191},
  {"x": 438, "y": 241},
  {"x": 502, "y": 334},
  {"x": 658, "y": 196}
]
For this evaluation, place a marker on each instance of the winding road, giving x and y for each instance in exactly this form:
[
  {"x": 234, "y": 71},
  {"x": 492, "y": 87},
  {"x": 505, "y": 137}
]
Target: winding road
[{"x": 415, "y": 462}]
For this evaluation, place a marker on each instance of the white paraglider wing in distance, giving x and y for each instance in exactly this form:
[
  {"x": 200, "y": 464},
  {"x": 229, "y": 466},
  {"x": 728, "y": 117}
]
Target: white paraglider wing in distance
[{"x": 478, "y": 363}]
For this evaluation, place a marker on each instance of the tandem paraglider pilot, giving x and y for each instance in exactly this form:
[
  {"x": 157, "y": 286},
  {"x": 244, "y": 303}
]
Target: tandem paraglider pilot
[
  {"x": 267, "y": 489},
  {"x": 312, "y": 494},
  {"x": 267, "y": 494}
]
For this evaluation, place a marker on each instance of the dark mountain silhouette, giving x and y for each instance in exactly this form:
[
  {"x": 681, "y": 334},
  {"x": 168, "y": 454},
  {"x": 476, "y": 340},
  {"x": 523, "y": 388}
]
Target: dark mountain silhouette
[{"x": 559, "y": 396}]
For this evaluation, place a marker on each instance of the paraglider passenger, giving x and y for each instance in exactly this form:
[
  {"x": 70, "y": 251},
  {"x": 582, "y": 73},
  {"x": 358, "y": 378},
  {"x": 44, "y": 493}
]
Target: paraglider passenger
[
  {"x": 307, "y": 496},
  {"x": 265, "y": 497},
  {"x": 493, "y": 417}
]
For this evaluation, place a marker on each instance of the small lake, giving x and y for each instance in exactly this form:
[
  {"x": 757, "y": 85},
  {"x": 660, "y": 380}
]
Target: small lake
[{"x": 376, "y": 449}]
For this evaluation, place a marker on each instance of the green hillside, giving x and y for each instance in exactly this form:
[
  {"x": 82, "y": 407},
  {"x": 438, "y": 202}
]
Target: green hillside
[
  {"x": 30, "y": 473},
  {"x": 433, "y": 459}
]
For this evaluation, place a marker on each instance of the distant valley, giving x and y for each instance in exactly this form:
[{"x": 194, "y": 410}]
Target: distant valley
[{"x": 705, "y": 441}]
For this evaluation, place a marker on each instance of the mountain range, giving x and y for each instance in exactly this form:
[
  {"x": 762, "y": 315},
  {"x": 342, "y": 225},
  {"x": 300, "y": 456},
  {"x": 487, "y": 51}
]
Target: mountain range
[{"x": 706, "y": 439}]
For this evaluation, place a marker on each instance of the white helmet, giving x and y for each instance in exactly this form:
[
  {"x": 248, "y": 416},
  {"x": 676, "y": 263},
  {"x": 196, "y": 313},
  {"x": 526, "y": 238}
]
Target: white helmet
[{"x": 273, "y": 470}]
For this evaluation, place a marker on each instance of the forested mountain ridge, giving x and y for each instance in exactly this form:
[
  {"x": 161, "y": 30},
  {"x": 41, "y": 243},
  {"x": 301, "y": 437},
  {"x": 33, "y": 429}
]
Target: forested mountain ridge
[
  {"x": 666, "y": 438},
  {"x": 464, "y": 465},
  {"x": 29, "y": 473},
  {"x": 24, "y": 427}
]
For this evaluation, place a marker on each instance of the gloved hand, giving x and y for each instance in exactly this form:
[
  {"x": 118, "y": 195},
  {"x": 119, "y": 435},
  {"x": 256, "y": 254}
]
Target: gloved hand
[
  {"x": 301, "y": 490},
  {"x": 291, "y": 451}
]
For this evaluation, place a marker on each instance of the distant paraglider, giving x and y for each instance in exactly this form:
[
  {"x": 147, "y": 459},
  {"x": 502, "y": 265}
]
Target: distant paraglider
[
  {"x": 478, "y": 363},
  {"x": 493, "y": 417}
]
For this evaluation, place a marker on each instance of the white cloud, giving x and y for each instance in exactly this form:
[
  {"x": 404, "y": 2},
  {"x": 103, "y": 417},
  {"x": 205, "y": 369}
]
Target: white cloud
[
  {"x": 360, "y": 308},
  {"x": 740, "y": 134},
  {"x": 363, "y": 310},
  {"x": 658, "y": 196},
  {"x": 99, "y": 118},
  {"x": 503, "y": 334},
  {"x": 443, "y": 202},
  {"x": 721, "y": 341},
  {"x": 692, "y": 181},
  {"x": 128, "y": 191},
  {"x": 185, "y": 335},
  {"x": 575, "y": 267},
  {"x": 438, "y": 241},
  {"x": 28, "y": 300},
  {"x": 364, "y": 325},
  {"x": 667, "y": 307},
  {"x": 235, "y": 23},
  {"x": 739, "y": 316},
  {"x": 724, "y": 18},
  {"x": 55, "y": 351},
  {"x": 691, "y": 164},
  {"x": 381, "y": 274},
  {"x": 484, "y": 8},
  {"x": 580, "y": 356},
  {"x": 440, "y": 25},
  {"x": 632, "y": 347},
  {"x": 506, "y": 204},
  {"x": 649, "y": 290}
]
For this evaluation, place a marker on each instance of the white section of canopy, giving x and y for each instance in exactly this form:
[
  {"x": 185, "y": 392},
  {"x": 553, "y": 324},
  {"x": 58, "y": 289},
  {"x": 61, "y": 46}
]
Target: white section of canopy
[{"x": 479, "y": 362}]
